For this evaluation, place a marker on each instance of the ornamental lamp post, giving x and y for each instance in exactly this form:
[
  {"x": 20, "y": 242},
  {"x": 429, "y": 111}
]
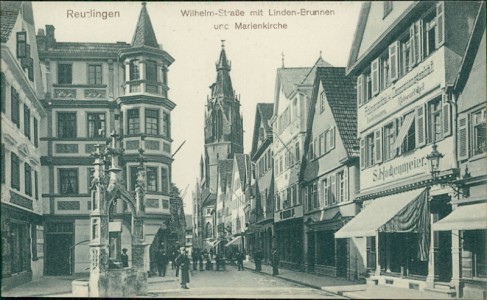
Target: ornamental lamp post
[{"x": 434, "y": 159}]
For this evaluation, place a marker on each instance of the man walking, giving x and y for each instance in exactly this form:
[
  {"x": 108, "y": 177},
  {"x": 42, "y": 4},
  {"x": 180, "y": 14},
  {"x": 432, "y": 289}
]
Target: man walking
[
  {"x": 240, "y": 257},
  {"x": 258, "y": 260},
  {"x": 162, "y": 261},
  {"x": 275, "y": 262}
]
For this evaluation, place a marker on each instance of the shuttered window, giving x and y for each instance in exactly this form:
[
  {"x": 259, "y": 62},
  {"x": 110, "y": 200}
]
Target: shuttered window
[
  {"x": 378, "y": 145},
  {"x": 375, "y": 77},
  {"x": 394, "y": 61},
  {"x": 360, "y": 90},
  {"x": 420, "y": 127},
  {"x": 463, "y": 149},
  {"x": 440, "y": 24}
]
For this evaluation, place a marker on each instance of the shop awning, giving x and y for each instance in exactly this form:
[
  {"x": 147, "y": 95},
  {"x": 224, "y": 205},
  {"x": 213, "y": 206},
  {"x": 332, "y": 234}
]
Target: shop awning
[
  {"x": 386, "y": 214},
  {"x": 406, "y": 124},
  {"x": 468, "y": 217},
  {"x": 234, "y": 242}
]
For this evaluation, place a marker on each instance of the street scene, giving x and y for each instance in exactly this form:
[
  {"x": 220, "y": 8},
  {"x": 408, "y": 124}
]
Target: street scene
[{"x": 244, "y": 149}]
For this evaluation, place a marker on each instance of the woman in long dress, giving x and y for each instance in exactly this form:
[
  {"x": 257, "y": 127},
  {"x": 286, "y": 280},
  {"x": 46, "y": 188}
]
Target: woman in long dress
[{"x": 184, "y": 268}]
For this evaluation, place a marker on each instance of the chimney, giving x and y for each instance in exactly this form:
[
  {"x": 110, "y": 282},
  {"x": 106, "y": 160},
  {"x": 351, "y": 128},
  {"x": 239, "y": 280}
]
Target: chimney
[
  {"x": 41, "y": 39},
  {"x": 50, "y": 38}
]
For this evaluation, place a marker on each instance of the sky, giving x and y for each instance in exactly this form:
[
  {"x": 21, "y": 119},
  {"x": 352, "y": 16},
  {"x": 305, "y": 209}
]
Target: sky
[{"x": 195, "y": 43}]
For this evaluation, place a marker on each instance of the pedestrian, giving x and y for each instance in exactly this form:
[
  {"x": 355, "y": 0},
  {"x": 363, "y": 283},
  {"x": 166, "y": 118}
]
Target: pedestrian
[
  {"x": 194, "y": 256},
  {"x": 185, "y": 266},
  {"x": 174, "y": 254},
  {"x": 211, "y": 253},
  {"x": 258, "y": 260},
  {"x": 239, "y": 257},
  {"x": 275, "y": 262},
  {"x": 177, "y": 262},
  {"x": 125, "y": 258},
  {"x": 200, "y": 260},
  {"x": 162, "y": 261}
]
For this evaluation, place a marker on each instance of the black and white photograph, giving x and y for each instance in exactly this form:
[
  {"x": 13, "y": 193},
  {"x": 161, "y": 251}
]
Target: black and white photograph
[{"x": 252, "y": 149}]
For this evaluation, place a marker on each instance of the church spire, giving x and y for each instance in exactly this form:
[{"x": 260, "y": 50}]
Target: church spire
[
  {"x": 223, "y": 84},
  {"x": 144, "y": 33}
]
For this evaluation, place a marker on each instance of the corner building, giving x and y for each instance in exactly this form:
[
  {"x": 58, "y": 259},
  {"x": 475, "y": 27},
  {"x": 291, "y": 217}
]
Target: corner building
[
  {"x": 405, "y": 55},
  {"x": 92, "y": 90}
]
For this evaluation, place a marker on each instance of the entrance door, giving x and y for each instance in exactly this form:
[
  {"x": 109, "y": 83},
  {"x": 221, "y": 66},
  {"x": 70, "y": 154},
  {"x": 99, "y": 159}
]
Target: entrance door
[
  {"x": 311, "y": 252},
  {"x": 342, "y": 257},
  {"x": 59, "y": 243},
  {"x": 58, "y": 250}
]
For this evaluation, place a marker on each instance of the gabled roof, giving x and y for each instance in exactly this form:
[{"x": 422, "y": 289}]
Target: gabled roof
[
  {"x": 310, "y": 77},
  {"x": 144, "y": 33},
  {"x": 242, "y": 165},
  {"x": 10, "y": 11},
  {"x": 263, "y": 113},
  {"x": 291, "y": 77},
  {"x": 225, "y": 167},
  {"x": 474, "y": 42},
  {"x": 341, "y": 94}
]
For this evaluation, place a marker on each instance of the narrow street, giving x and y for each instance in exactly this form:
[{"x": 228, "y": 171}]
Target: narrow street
[{"x": 232, "y": 284}]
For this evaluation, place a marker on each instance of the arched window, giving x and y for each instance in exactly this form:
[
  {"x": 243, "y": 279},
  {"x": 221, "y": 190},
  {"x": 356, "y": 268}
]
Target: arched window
[
  {"x": 209, "y": 230},
  {"x": 219, "y": 124}
]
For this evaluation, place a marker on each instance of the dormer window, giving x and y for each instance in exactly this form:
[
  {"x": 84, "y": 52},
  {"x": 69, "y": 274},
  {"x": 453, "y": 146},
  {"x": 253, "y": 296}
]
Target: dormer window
[
  {"x": 22, "y": 44},
  {"x": 387, "y": 8},
  {"x": 134, "y": 70}
]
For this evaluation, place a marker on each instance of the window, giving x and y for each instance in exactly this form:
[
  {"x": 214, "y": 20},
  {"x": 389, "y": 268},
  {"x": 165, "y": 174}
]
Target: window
[
  {"x": 164, "y": 181},
  {"x": 133, "y": 121},
  {"x": 326, "y": 192},
  {"x": 370, "y": 150},
  {"x": 368, "y": 87},
  {"x": 36, "y": 185},
  {"x": 405, "y": 57},
  {"x": 314, "y": 195},
  {"x": 15, "y": 107},
  {"x": 66, "y": 125},
  {"x": 384, "y": 73},
  {"x": 475, "y": 250},
  {"x": 36, "y": 133},
  {"x": 435, "y": 121},
  {"x": 2, "y": 162},
  {"x": 68, "y": 181},
  {"x": 371, "y": 253},
  {"x": 64, "y": 73},
  {"x": 15, "y": 168},
  {"x": 479, "y": 133},
  {"x": 3, "y": 90},
  {"x": 387, "y": 8},
  {"x": 341, "y": 185},
  {"x": 28, "y": 179},
  {"x": 389, "y": 141},
  {"x": 96, "y": 125},
  {"x": 151, "y": 71},
  {"x": 322, "y": 102},
  {"x": 296, "y": 152},
  {"x": 151, "y": 179},
  {"x": 27, "y": 121},
  {"x": 321, "y": 145},
  {"x": 410, "y": 140},
  {"x": 134, "y": 70},
  {"x": 133, "y": 177},
  {"x": 22, "y": 44},
  {"x": 94, "y": 74},
  {"x": 164, "y": 75},
  {"x": 166, "y": 124},
  {"x": 151, "y": 121}
]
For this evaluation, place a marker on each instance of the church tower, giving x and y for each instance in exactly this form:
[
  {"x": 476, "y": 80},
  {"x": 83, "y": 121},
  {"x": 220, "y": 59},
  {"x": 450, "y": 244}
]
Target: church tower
[{"x": 223, "y": 122}]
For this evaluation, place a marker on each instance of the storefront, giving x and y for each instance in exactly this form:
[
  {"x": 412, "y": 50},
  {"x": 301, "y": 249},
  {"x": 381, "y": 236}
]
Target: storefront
[{"x": 289, "y": 243}]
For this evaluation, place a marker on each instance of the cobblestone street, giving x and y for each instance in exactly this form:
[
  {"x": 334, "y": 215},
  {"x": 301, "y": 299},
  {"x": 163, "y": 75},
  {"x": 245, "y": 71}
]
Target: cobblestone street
[{"x": 233, "y": 284}]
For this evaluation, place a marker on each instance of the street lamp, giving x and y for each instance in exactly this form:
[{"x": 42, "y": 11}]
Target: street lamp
[
  {"x": 434, "y": 159},
  {"x": 458, "y": 186}
]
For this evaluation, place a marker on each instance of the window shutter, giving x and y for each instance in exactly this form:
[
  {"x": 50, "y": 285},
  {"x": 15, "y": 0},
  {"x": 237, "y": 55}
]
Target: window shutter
[
  {"x": 375, "y": 76},
  {"x": 332, "y": 138},
  {"x": 378, "y": 145},
  {"x": 463, "y": 143},
  {"x": 412, "y": 45},
  {"x": 362, "y": 154},
  {"x": 446, "y": 114},
  {"x": 345, "y": 184},
  {"x": 419, "y": 41},
  {"x": 440, "y": 24},
  {"x": 420, "y": 127},
  {"x": 360, "y": 96},
  {"x": 311, "y": 150},
  {"x": 394, "y": 61}
]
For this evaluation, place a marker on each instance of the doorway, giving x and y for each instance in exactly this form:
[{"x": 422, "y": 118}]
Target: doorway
[
  {"x": 311, "y": 251},
  {"x": 59, "y": 248},
  {"x": 342, "y": 257}
]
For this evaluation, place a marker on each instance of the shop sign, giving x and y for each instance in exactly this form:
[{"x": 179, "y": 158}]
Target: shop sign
[{"x": 424, "y": 78}]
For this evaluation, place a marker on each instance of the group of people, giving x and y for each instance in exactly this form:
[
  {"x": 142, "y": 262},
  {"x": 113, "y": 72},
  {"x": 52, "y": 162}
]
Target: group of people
[
  {"x": 179, "y": 261},
  {"x": 258, "y": 256}
]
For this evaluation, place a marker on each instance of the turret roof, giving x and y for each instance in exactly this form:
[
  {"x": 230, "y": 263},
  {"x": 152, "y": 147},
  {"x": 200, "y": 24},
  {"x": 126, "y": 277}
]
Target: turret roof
[{"x": 144, "y": 33}]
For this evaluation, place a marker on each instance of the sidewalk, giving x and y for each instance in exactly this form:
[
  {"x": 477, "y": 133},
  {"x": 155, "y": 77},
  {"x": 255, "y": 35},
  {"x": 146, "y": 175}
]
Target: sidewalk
[
  {"x": 345, "y": 287},
  {"x": 56, "y": 286},
  {"x": 307, "y": 279}
]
